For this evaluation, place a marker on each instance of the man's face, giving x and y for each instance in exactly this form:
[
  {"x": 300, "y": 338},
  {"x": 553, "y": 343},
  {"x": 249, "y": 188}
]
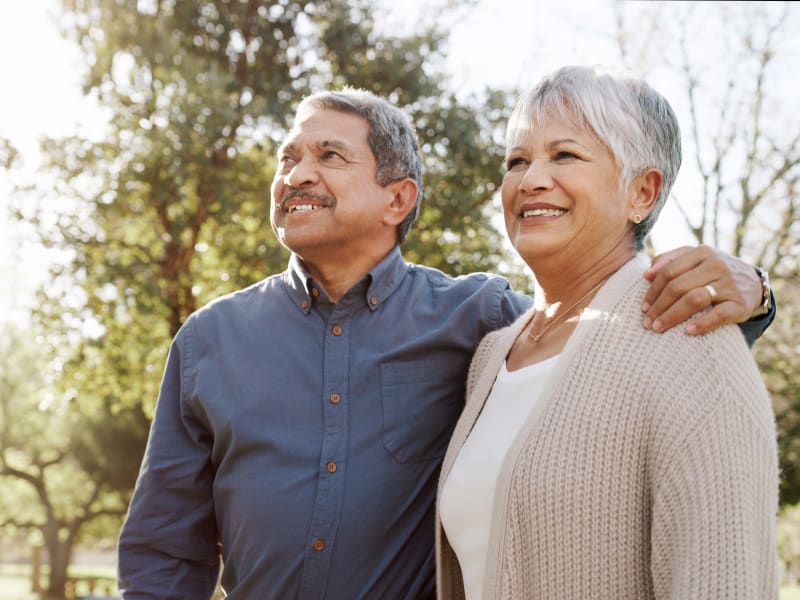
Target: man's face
[{"x": 326, "y": 202}]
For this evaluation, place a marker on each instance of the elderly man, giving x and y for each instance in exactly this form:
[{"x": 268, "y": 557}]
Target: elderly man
[{"x": 301, "y": 422}]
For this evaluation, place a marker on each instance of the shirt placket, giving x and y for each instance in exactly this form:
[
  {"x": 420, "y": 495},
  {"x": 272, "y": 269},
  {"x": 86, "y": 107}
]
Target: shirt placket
[{"x": 332, "y": 464}]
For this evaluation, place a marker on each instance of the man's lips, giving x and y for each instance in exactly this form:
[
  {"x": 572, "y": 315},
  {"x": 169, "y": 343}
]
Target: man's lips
[
  {"x": 303, "y": 201},
  {"x": 293, "y": 208}
]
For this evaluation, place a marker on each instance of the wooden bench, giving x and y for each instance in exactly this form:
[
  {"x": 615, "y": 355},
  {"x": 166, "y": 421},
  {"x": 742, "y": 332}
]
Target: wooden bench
[{"x": 89, "y": 585}]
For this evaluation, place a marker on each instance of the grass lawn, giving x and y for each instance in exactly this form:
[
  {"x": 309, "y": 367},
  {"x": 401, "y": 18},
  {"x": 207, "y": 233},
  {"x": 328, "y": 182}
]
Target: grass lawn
[{"x": 15, "y": 580}]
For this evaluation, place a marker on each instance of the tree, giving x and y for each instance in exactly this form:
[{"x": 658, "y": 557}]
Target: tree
[
  {"x": 742, "y": 156},
  {"x": 46, "y": 487}
]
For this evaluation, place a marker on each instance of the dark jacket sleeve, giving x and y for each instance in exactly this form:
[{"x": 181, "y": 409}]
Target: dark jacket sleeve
[{"x": 754, "y": 328}]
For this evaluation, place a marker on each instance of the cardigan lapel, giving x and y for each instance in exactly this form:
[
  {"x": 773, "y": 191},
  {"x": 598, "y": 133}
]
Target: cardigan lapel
[{"x": 501, "y": 345}]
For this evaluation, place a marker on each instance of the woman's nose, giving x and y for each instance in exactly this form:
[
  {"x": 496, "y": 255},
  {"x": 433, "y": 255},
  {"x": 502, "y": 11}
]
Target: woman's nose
[{"x": 535, "y": 179}]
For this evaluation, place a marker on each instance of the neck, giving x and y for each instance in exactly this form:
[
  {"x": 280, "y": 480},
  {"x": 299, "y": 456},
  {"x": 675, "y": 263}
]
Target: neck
[
  {"x": 336, "y": 275},
  {"x": 561, "y": 286}
]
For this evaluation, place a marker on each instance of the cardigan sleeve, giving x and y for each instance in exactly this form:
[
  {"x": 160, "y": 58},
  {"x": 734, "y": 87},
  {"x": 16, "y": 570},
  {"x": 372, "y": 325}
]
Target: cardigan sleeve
[{"x": 714, "y": 505}]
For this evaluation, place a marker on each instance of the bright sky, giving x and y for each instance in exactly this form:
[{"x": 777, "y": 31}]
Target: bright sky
[
  {"x": 40, "y": 75},
  {"x": 513, "y": 42}
]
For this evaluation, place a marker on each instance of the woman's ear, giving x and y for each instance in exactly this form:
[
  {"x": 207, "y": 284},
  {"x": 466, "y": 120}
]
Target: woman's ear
[
  {"x": 644, "y": 192},
  {"x": 404, "y": 197}
]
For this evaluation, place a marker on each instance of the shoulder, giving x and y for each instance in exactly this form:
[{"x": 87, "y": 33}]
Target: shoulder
[
  {"x": 470, "y": 283},
  {"x": 670, "y": 370},
  {"x": 236, "y": 305},
  {"x": 689, "y": 382},
  {"x": 497, "y": 304},
  {"x": 677, "y": 356}
]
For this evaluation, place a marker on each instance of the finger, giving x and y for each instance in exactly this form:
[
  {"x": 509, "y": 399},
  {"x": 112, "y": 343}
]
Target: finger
[
  {"x": 686, "y": 305},
  {"x": 675, "y": 281},
  {"x": 721, "y": 314},
  {"x": 688, "y": 267},
  {"x": 663, "y": 259}
]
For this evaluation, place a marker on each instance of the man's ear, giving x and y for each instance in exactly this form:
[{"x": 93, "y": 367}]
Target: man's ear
[
  {"x": 404, "y": 197},
  {"x": 644, "y": 192}
]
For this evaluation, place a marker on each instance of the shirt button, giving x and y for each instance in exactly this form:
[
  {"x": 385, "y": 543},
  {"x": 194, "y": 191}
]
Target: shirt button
[
  {"x": 314, "y": 292},
  {"x": 305, "y": 303},
  {"x": 335, "y": 398},
  {"x": 331, "y": 467},
  {"x": 373, "y": 301},
  {"x": 337, "y": 330},
  {"x": 319, "y": 545}
]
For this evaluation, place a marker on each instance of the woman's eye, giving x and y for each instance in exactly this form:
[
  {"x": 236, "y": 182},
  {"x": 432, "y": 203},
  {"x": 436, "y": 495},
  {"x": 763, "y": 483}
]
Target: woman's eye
[
  {"x": 564, "y": 155},
  {"x": 512, "y": 163}
]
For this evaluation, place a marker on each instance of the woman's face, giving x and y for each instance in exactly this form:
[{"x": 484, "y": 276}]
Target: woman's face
[{"x": 561, "y": 196}]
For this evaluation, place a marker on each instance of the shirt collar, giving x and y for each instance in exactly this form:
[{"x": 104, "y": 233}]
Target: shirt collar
[{"x": 382, "y": 280}]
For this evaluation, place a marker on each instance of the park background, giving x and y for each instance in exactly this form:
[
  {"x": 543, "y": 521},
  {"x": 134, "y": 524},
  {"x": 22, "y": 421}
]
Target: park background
[{"x": 137, "y": 143}]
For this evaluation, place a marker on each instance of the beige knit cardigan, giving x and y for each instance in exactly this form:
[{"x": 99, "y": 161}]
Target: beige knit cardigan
[{"x": 648, "y": 469}]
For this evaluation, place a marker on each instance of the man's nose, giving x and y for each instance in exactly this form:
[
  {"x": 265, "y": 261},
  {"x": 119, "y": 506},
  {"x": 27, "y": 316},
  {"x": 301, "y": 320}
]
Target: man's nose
[{"x": 302, "y": 173}]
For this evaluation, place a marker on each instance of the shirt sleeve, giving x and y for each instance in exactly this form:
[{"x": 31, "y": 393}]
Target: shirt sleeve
[
  {"x": 714, "y": 506},
  {"x": 755, "y": 327},
  {"x": 512, "y": 305},
  {"x": 168, "y": 543}
]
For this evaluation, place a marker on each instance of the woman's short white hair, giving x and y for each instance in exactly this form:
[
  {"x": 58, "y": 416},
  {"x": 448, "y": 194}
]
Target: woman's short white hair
[{"x": 635, "y": 123}]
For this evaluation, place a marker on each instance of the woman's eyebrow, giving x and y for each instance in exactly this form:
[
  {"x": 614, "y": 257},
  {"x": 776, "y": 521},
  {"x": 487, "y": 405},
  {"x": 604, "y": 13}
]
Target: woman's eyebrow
[{"x": 560, "y": 141}]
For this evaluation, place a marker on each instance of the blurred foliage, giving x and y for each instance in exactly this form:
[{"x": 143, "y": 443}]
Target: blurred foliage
[
  {"x": 48, "y": 493},
  {"x": 9, "y": 155},
  {"x": 778, "y": 357},
  {"x": 788, "y": 538}
]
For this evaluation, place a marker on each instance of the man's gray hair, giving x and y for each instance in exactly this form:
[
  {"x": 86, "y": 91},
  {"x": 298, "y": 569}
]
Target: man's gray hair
[
  {"x": 391, "y": 138},
  {"x": 635, "y": 123}
]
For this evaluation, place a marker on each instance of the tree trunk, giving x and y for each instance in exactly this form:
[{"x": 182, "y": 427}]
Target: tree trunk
[
  {"x": 36, "y": 569},
  {"x": 60, "y": 553}
]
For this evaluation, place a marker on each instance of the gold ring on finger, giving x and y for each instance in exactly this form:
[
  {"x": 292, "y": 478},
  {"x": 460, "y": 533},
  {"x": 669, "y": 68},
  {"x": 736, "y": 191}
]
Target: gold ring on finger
[{"x": 712, "y": 292}]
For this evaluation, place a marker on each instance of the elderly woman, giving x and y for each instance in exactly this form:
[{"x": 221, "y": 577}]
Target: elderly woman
[{"x": 594, "y": 458}]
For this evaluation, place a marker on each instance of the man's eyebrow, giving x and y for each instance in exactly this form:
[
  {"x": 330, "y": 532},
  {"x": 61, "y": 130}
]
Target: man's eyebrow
[
  {"x": 286, "y": 147},
  {"x": 334, "y": 145}
]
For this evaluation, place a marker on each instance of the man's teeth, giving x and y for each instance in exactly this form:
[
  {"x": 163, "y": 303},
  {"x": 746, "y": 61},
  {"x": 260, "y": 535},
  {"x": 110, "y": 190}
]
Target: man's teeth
[
  {"x": 543, "y": 212},
  {"x": 303, "y": 207}
]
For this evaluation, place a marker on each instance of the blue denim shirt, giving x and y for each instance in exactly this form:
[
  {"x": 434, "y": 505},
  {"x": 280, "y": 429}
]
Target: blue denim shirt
[{"x": 306, "y": 437}]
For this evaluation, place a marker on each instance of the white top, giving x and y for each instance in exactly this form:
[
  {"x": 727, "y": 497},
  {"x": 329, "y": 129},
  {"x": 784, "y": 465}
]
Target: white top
[{"x": 468, "y": 494}]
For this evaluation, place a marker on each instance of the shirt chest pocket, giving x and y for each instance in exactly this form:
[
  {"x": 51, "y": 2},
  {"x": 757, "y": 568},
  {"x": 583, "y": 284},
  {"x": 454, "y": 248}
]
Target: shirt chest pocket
[{"x": 421, "y": 404}]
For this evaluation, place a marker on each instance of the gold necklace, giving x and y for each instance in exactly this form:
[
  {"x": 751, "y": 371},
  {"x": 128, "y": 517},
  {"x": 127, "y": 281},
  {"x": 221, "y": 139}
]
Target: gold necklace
[{"x": 535, "y": 338}]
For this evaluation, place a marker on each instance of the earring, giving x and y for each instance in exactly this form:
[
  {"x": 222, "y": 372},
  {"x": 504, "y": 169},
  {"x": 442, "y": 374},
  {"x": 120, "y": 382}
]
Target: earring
[{"x": 637, "y": 219}]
